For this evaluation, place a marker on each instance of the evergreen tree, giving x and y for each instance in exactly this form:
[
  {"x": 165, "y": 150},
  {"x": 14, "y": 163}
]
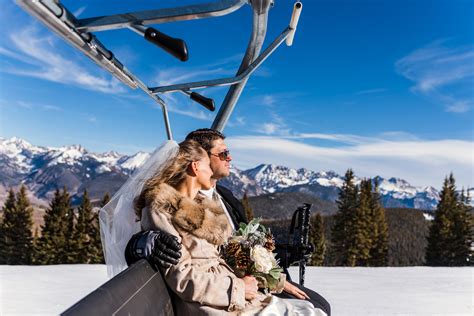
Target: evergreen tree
[
  {"x": 342, "y": 232},
  {"x": 97, "y": 254},
  {"x": 105, "y": 199},
  {"x": 449, "y": 240},
  {"x": 247, "y": 207},
  {"x": 379, "y": 231},
  {"x": 462, "y": 232},
  {"x": 69, "y": 253},
  {"x": 24, "y": 251},
  {"x": 36, "y": 238},
  {"x": 82, "y": 239},
  {"x": 362, "y": 225},
  {"x": 318, "y": 240},
  {"x": 7, "y": 239},
  {"x": 57, "y": 230},
  {"x": 17, "y": 240}
]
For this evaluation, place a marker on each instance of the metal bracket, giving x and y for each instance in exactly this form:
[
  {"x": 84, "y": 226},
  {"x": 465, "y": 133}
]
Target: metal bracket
[
  {"x": 191, "y": 12},
  {"x": 230, "y": 80},
  {"x": 77, "y": 32}
]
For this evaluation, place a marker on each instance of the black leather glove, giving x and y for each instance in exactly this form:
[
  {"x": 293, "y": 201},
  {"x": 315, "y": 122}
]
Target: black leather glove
[{"x": 159, "y": 248}]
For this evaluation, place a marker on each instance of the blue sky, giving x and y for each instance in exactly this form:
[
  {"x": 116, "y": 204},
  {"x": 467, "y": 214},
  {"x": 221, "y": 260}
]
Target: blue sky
[{"x": 383, "y": 87}]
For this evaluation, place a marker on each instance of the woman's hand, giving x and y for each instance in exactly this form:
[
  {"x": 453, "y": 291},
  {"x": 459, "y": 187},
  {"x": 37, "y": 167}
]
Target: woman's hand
[
  {"x": 295, "y": 291},
  {"x": 251, "y": 287}
]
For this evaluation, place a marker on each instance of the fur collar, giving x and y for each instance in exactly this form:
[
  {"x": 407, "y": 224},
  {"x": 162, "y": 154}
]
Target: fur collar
[{"x": 201, "y": 217}]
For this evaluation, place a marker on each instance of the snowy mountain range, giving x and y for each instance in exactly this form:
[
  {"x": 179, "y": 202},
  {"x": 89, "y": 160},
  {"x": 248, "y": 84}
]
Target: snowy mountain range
[{"x": 43, "y": 169}]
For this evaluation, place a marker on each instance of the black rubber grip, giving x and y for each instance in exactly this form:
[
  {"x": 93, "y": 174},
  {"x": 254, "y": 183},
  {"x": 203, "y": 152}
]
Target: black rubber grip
[
  {"x": 208, "y": 103},
  {"x": 174, "y": 46}
]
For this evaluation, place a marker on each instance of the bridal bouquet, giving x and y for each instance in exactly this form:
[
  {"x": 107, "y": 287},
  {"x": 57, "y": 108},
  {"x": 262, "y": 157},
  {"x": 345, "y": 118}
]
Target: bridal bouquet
[{"x": 249, "y": 252}]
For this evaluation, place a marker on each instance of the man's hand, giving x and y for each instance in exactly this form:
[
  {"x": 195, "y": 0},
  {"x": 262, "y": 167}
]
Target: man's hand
[
  {"x": 251, "y": 287},
  {"x": 295, "y": 291},
  {"x": 160, "y": 248}
]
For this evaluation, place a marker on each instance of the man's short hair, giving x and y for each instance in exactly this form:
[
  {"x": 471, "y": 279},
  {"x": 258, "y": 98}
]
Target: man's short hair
[{"x": 205, "y": 137}]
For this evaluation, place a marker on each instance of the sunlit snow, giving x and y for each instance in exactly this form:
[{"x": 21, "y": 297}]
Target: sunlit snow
[
  {"x": 49, "y": 290},
  {"x": 135, "y": 161}
]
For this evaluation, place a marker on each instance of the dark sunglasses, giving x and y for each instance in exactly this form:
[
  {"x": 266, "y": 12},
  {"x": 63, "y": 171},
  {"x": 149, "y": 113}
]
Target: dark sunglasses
[{"x": 223, "y": 155}]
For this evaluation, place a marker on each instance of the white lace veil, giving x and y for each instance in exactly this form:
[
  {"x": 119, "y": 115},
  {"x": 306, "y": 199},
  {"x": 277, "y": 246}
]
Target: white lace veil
[{"x": 118, "y": 221}]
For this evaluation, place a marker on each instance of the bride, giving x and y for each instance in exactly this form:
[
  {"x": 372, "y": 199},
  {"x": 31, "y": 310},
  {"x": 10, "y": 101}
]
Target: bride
[{"x": 201, "y": 281}]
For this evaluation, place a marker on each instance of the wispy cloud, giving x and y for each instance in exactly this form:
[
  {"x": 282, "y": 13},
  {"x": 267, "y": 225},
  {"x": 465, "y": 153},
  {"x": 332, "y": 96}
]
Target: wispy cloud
[
  {"x": 24, "y": 105},
  {"x": 459, "y": 106},
  {"x": 49, "y": 107},
  {"x": 184, "y": 108},
  {"x": 371, "y": 91},
  {"x": 268, "y": 100},
  {"x": 222, "y": 68},
  {"x": 337, "y": 138},
  {"x": 240, "y": 120},
  {"x": 276, "y": 126},
  {"x": 350, "y": 139},
  {"x": 442, "y": 73},
  {"x": 180, "y": 75},
  {"x": 422, "y": 162},
  {"x": 79, "y": 11},
  {"x": 33, "y": 106},
  {"x": 39, "y": 59}
]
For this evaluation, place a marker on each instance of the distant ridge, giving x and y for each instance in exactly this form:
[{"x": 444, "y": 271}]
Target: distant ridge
[{"x": 43, "y": 169}]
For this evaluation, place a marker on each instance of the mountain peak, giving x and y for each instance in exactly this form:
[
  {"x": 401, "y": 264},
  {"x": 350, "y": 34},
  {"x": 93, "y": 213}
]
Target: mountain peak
[
  {"x": 16, "y": 145},
  {"x": 135, "y": 161}
]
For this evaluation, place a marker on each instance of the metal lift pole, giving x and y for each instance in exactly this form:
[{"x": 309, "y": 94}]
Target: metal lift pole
[{"x": 260, "y": 17}]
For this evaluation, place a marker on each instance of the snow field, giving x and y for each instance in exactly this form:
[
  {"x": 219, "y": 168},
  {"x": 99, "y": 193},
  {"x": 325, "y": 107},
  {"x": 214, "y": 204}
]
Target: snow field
[{"x": 49, "y": 290}]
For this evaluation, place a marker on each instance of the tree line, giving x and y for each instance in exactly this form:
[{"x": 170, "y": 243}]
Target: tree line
[
  {"x": 68, "y": 235},
  {"x": 360, "y": 236},
  {"x": 358, "y": 232}
]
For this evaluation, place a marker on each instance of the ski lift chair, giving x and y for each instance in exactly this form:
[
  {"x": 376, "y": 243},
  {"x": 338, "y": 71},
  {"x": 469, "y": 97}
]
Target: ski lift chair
[{"x": 140, "y": 289}]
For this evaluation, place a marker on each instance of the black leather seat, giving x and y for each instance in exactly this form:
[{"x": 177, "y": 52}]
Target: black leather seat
[{"x": 139, "y": 290}]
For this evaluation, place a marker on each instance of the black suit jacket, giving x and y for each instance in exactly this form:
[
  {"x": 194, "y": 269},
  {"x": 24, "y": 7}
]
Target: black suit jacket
[{"x": 234, "y": 206}]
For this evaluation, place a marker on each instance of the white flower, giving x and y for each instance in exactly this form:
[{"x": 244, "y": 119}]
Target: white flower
[{"x": 263, "y": 259}]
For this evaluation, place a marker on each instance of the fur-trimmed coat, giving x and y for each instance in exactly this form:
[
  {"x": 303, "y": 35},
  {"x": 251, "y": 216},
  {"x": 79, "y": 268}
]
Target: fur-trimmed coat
[{"x": 202, "y": 281}]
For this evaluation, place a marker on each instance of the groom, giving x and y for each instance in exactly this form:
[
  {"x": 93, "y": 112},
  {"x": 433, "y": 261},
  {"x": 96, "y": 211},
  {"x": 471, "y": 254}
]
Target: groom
[{"x": 163, "y": 249}]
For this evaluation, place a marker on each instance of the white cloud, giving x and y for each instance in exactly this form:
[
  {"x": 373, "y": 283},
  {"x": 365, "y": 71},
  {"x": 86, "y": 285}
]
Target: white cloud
[
  {"x": 269, "y": 128},
  {"x": 356, "y": 139},
  {"x": 240, "y": 120},
  {"x": 421, "y": 162},
  {"x": 223, "y": 68},
  {"x": 177, "y": 75},
  {"x": 24, "y": 105},
  {"x": 49, "y": 107},
  {"x": 79, "y": 11},
  {"x": 458, "y": 107},
  {"x": 371, "y": 91},
  {"x": 442, "y": 73},
  {"x": 40, "y": 60},
  {"x": 31, "y": 106},
  {"x": 179, "y": 107},
  {"x": 277, "y": 126},
  {"x": 268, "y": 100}
]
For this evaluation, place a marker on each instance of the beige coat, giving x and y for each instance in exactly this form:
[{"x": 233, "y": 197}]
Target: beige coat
[{"x": 202, "y": 281}]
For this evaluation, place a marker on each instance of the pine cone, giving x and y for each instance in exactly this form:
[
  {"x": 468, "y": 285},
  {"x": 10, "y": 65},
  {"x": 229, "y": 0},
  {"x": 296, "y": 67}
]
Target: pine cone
[
  {"x": 242, "y": 260},
  {"x": 231, "y": 249},
  {"x": 269, "y": 243}
]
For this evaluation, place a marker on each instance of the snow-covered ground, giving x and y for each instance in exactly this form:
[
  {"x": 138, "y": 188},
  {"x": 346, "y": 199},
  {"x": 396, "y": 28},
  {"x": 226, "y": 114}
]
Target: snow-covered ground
[{"x": 49, "y": 290}]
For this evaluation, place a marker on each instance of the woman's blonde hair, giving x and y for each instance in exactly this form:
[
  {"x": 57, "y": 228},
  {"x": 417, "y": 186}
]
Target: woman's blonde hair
[{"x": 173, "y": 174}]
